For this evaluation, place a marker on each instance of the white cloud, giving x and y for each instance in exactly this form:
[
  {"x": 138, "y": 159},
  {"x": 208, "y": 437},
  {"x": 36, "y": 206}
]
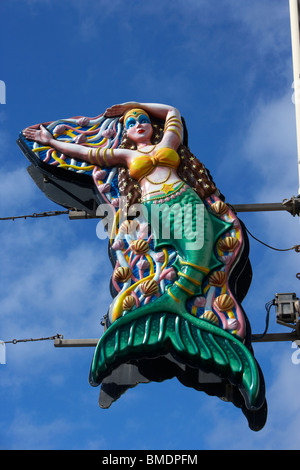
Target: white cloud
[
  {"x": 267, "y": 22},
  {"x": 270, "y": 146},
  {"x": 264, "y": 150},
  {"x": 3, "y": 116},
  {"x": 266, "y": 153},
  {"x": 51, "y": 283},
  {"x": 229, "y": 430},
  {"x": 17, "y": 190},
  {"x": 284, "y": 408},
  {"x": 27, "y": 432}
]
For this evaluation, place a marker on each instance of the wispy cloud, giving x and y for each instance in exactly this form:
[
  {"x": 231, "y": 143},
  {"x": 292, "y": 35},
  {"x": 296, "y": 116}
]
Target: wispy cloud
[
  {"x": 26, "y": 431},
  {"x": 16, "y": 192},
  {"x": 271, "y": 147}
]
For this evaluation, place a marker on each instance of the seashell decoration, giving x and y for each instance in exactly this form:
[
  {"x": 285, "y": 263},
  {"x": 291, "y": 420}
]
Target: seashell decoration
[
  {"x": 108, "y": 133},
  {"x": 149, "y": 288},
  {"x": 226, "y": 259},
  {"x": 228, "y": 244},
  {"x": 105, "y": 188},
  {"x": 200, "y": 302},
  {"x": 59, "y": 129},
  {"x": 122, "y": 274},
  {"x": 100, "y": 175},
  {"x": 210, "y": 316},
  {"x": 218, "y": 279},
  {"x": 224, "y": 302},
  {"x": 116, "y": 202},
  {"x": 128, "y": 302},
  {"x": 160, "y": 257},
  {"x": 232, "y": 324},
  {"x": 129, "y": 226},
  {"x": 171, "y": 275},
  {"x": 79, "y": 139},
  {"x": 236, "y": 223},
  {"x": 220, "y": 208},
  {"x": 118, "y": 245},
  {"x": 83, "y": 121},
  {"x": 143, "y": 264},
  {"x": 139, "y": 247}
]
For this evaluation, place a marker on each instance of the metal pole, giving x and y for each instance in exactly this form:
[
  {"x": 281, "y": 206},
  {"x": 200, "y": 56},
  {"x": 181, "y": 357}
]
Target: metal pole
[
  {"x": 274, "y": 337},
  {"x": 75, "y": 343},
  {"x": 272, "y": 206},
  {"x": 295, "y": 36},
  {"x": 291, "y": 205},
  {"x": 92, "y": 342}
]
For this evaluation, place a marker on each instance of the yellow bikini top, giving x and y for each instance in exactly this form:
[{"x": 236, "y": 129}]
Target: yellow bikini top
[{"x": 143, "y": 165}]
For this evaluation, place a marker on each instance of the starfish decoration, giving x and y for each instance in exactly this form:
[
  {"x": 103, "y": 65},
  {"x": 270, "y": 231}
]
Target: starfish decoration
[{"x": 167, "y": 188}]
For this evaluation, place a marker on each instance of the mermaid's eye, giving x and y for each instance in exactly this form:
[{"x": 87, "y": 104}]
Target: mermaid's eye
[
  {"x": 130, "y": 123},
  {"x": 144, "y": 119}
]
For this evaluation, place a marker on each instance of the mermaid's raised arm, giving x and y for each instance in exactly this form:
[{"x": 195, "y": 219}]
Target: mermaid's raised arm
[
  {"x": 173, "y": 131},
  {"x": 158, "y": 110}
]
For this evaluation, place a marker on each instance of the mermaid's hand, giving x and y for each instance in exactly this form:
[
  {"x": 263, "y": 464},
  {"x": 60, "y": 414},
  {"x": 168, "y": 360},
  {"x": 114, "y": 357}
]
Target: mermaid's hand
[
  {"x": 120, "y": 109},
  {"x": 41, "y": 135}
]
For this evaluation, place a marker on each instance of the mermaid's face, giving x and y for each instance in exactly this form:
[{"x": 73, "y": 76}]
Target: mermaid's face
[{"x": 139, "y": 128}]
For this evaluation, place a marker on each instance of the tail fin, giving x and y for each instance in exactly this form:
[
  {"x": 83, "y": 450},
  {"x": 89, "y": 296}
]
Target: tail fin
[{"x": 197, "y": 342}]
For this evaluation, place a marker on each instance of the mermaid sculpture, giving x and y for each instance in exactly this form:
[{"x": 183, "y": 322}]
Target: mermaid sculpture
[{"x": 181, "y": 267}]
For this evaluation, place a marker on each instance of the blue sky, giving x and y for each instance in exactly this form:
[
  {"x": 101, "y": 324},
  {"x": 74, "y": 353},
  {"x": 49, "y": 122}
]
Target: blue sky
[{"x": 228, "y": 69}]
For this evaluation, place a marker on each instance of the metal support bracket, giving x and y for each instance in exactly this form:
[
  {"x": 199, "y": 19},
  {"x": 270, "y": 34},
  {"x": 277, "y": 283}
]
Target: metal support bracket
[
  {"x": 291, "y": 205},
  {"x": 76, "y": 343},
  {"x": 92, "y": 342},
  {"x": 271, "y": 337}
]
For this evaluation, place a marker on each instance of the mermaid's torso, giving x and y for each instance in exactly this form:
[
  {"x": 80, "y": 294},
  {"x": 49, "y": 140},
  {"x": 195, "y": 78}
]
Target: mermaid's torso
[{"x": 142, "y": 165}]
